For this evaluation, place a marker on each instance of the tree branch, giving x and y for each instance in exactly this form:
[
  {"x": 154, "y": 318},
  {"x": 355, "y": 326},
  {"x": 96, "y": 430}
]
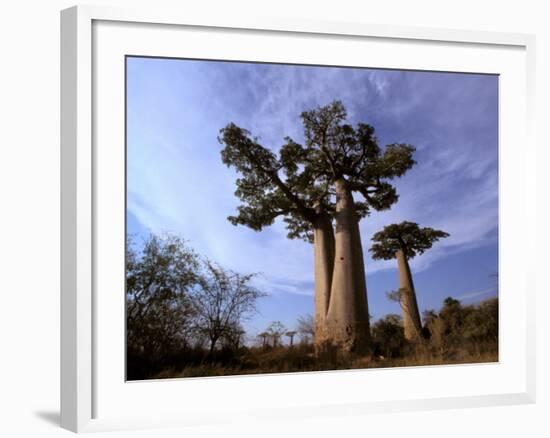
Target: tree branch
[{"x": 308, "y": 213}]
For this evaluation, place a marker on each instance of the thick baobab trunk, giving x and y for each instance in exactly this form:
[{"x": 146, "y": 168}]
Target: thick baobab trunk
[
  {"x": 348, "y": 316},
  {"x": 407, "y": 299},
  {"x": 323, "y": 241}
]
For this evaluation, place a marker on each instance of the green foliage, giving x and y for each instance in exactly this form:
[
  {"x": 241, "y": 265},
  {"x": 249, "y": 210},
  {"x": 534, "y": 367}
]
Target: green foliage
[
  {"x": 395, "y": 295},
  {"x": 264, "y": 194},
  {"x": 450, "y": 302},
  {"x": 158, "y": 302},
  {"x": 482, "y": 324},
  {"x": 388, "y": 336},
  {"x": 406, "y": 236},
  {"x": 298, "y": 182},
  {"x": 464, "y": 326}
]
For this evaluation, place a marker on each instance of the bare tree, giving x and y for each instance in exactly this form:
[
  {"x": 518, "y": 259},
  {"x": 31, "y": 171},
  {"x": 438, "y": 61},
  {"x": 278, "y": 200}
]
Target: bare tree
[
  {"x": 233, "y": 338},
  {"x": 306, "y": 327},
  {"x": 276, "y": 330},
  {"x": 222, "y": 300}
]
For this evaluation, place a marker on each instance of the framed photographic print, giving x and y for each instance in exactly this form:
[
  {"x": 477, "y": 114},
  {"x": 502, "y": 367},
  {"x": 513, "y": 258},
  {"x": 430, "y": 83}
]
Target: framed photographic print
[{"x": 277, "y": 216}]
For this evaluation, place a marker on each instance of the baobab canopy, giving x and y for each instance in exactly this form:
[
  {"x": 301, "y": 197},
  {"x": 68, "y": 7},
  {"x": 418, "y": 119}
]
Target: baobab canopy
[
  {"x": 405, "y": 236},
  {"x": 298, "y": 182}
]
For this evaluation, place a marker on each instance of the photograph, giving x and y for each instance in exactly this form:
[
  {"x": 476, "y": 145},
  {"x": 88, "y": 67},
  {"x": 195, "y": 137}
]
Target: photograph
[{"x": 285, "y": 218}]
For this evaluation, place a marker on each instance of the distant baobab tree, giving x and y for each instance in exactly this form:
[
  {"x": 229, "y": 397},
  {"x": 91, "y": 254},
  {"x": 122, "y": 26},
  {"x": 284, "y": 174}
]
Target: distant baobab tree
[
  {"x": 404, "y": 241},
  {"x": 291, "y": 335},
  {"x": 263, "y": 336},
  {"x": 311, "y": 186}
]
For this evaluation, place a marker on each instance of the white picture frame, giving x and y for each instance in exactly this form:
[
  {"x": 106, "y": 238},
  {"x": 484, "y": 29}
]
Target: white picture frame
[{"x": 85, "y": 374}]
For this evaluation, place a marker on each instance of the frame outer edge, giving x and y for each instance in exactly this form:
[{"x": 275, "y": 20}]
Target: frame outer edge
[
  {"x": 76, "y": 220},
  {"x": 76, "y": 337},
  {"x": 186, "y": 17},
  {"x": 68, "y": 220},
  {"x": 533, "y": 284}
]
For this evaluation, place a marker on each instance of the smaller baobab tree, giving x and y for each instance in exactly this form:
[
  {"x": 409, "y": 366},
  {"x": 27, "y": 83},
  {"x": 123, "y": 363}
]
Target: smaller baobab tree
[{"x": 403, "y": 242}]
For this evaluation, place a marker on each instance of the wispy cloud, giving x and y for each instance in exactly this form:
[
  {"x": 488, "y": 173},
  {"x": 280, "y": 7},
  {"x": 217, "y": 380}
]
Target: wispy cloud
[{"x": 481, "y": 293}]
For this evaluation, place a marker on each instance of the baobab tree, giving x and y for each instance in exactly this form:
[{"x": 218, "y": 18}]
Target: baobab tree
[
  {"x": 403, "y": 242},
  {"x": 263, "y": 336},
  {"x": 290, "y": 334},
  {"x": 311, "y": 187}
]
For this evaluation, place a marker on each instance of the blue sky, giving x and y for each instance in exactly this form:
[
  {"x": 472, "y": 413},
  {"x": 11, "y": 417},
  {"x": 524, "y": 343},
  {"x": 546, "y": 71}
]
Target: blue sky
[{"x": 177, "y": 183}]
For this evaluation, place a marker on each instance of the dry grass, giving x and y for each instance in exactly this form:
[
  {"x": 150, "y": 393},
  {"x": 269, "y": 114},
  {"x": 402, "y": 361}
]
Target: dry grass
[{"x": 301, "y": 359}]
